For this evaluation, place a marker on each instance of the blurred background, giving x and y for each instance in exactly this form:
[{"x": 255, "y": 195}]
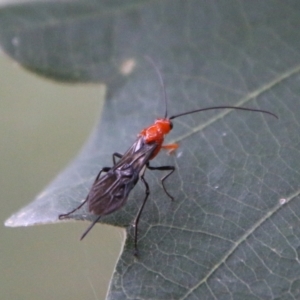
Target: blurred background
[{"x": 43, "y": 126}]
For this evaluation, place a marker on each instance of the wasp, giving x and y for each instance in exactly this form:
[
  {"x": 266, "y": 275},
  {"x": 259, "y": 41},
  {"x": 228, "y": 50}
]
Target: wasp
[{"x": 109, "y": 192}]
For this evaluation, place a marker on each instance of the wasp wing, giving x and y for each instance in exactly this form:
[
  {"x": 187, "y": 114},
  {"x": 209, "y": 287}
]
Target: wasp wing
[
  {"x": 111, "y": 191},
  {"x": 108, "y": 193}
]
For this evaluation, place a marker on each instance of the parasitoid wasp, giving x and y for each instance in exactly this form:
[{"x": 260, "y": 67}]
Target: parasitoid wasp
[{"x": 110, "y": 191}]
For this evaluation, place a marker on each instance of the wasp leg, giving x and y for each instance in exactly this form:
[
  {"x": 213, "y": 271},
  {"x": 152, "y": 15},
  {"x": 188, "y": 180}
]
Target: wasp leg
[
  {"x": 63, "y": 216},
  {"x": 136, "y": 221},
  {"x": 170, "y": 147},
  {"x": 118, "y": 155},
  {"x": 164, "y": 168},
  {"x": 90, "y": 227},
  {"x": 105, "y": 169}
]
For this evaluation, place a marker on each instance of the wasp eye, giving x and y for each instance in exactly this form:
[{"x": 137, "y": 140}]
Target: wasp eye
[{"x": 171, "y": 125}]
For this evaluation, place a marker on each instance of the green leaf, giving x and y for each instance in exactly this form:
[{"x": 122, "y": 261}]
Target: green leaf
[{"x": 233, "y": 230}]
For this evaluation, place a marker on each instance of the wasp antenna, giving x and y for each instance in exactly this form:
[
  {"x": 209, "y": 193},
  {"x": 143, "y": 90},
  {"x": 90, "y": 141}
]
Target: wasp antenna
[
  {"x": 224, "y": 107},
  {"x": 90, "y": 227},
  {"x": 161, "y": 82}
]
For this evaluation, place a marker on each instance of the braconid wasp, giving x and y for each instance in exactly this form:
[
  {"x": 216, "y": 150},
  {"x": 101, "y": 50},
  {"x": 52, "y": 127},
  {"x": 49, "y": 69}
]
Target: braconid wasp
[{"x": 110, "y": 191}]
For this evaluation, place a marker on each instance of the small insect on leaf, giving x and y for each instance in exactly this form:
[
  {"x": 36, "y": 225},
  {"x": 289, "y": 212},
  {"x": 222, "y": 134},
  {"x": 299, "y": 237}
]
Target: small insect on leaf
[{"x": 110, "y": 191}]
